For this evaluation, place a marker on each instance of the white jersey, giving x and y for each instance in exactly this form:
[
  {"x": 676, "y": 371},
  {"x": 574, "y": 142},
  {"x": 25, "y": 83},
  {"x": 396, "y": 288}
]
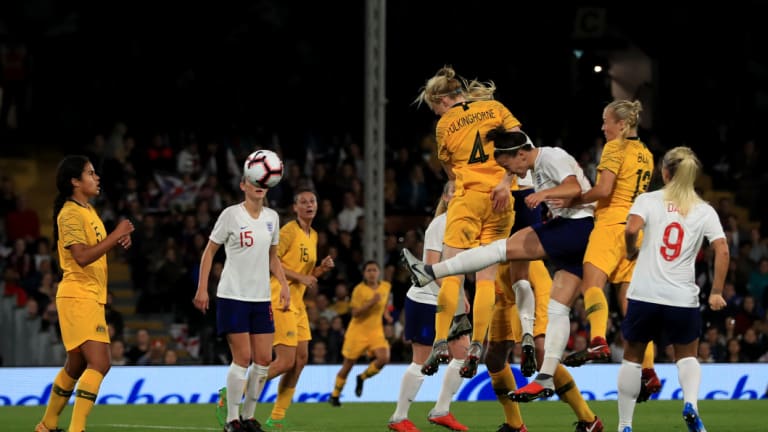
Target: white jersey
[
  {"x": 433, "y": 240},
  {"x": 246, "y": 241},
  {"x": 664, "y": 273},
  {"x": 525, "y": 182},
  {"x": 552, "y": 166}
]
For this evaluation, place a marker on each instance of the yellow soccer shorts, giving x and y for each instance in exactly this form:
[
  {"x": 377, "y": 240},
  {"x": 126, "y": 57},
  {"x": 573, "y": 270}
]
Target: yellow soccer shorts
[
  {"x": 358, "y": 343},
  {"x": 291, "y": 327},
  {"x": 81, "y": 320},
  {"x": 607, "y": 251},
  {"x": 471, "y": 221}
]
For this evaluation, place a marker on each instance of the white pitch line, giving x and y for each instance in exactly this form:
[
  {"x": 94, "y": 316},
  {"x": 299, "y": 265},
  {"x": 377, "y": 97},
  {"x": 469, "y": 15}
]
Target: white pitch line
[{"x": 134, "y": 426}]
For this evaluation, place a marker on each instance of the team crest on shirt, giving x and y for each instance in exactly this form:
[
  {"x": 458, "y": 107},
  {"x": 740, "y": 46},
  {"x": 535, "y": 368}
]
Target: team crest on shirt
[{"x": 270, "y": 226}]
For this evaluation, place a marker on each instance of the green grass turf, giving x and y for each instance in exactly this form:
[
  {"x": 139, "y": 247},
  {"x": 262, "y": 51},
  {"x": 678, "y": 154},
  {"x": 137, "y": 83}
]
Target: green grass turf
[{"x": 726, "y": 415}]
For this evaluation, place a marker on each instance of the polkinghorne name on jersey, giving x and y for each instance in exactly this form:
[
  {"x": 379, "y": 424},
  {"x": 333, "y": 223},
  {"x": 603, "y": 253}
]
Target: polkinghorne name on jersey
[{"x": 468, "y": 120}]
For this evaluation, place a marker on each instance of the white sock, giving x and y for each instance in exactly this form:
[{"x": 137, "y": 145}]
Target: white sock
[
  {"x": 257, "y": 377},
  {"x": 558, "y": 330},
  {"x": 526, "y": 304},
  {"x": 689, "y": 375},
  {"x": 628, "y": 381},
  {"x": 472, "y": 260},
  {"x": 409, "y": 387},
  {"x": 236, "y": 378},
  {"x": 451, "y": 383}
]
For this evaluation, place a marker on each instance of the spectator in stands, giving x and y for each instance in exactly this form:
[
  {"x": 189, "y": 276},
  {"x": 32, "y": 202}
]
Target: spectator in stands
[
  {"x": 12, "y": 287},
  {"x": 43, "y": 248},
  {"x": 747, "y": 315},
  {"x": 759, "y": 248},
  {"x": 705, "y": 353},
  {"x": 734, "y": 354},
  {"x": 20, "y": 260},
  {"x": 156, "y": 354},
  {"x": 716, "y": 342},
  {"x": 160, "y": 154},
  {"x": 170, "y": 358},
  {"x": 758, "y": 280},
  {"x": 117, "y": 350},
  {"x": 219, "y": 161},
  {"x": 140, "y": 348},
  {"x": 341, "y": 301},
  {"x": 751, "y": 346},
  {"x": 82, "y": 244},
  {"x": 22, "y": 222},
  {"x": 349, "y": 213},
  {"x": 188, "y": 159},
  {"x": 319, "y": 353},
  {"x": 50, "y": 321},
  {"x": 324, "y": 308},
  {"x": 412, "y": 190}
]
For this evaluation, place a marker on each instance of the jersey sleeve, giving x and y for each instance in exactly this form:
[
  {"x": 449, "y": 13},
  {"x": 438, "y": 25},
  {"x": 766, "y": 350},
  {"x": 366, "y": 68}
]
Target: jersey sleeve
[
  {"x": 640, "y": 207},
  {"x": 358, "y": 298},
  {"x": 433, "y": 237},
  {"x": 560, "y": 167},
  {"x": 443, "y": 154},
  {"x": 287, "y": 234},
  {"x": 612, "y": 157},
  {"x": 713, "y": 230},
  {"x": 507, "y": 118},
  {"x": 276, "y": 232},
  {"x": 71, "y": 228},
  {"x": 220, "y": 231}
]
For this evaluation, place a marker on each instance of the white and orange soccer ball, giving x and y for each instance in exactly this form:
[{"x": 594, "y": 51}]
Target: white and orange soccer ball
[{"x": 264, "y": 168}]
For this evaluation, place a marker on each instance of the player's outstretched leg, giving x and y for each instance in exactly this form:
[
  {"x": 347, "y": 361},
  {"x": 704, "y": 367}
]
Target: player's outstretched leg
[{"x": 420, "y": 276}]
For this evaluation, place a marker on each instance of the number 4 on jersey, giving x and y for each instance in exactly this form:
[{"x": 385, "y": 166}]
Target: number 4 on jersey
[{"x": 478, "y": 154}]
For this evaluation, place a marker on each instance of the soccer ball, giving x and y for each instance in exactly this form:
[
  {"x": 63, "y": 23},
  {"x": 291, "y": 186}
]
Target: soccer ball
[{"x": 263, "y": 168}]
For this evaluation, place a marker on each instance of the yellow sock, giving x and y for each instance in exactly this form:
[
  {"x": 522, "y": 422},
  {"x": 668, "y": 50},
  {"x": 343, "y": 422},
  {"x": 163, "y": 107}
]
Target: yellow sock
[
  {"x": 85, "y": 397},
  {"x": 569, "y": 393},
  {"x": 539, "y": 276},
  {"x": 503, "y": 382},
  {"x": 371, "y": 371},
  {"x": 283, "y": 401},
  {"x": 597, "y": 311},
  {"x": 338, "y": 386},
  {"x": 485, "y": 297},
  {"x": 447, "y": 302},
  {"x": 62, "y": 388},
  {"x": 648, "y": 357}
]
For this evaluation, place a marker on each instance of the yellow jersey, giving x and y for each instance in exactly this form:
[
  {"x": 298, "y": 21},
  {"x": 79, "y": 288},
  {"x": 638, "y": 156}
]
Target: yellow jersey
[
  {"x": 297, "y": 252},
  {"x": 632, "y": 163},
  {"x": 461, "y": 143},
  {"x": 372, "y": 321},
  {"x": 81, "y": 225}
]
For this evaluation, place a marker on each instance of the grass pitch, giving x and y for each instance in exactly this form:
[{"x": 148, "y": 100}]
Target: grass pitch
[{"x": 725, "y": 415}]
